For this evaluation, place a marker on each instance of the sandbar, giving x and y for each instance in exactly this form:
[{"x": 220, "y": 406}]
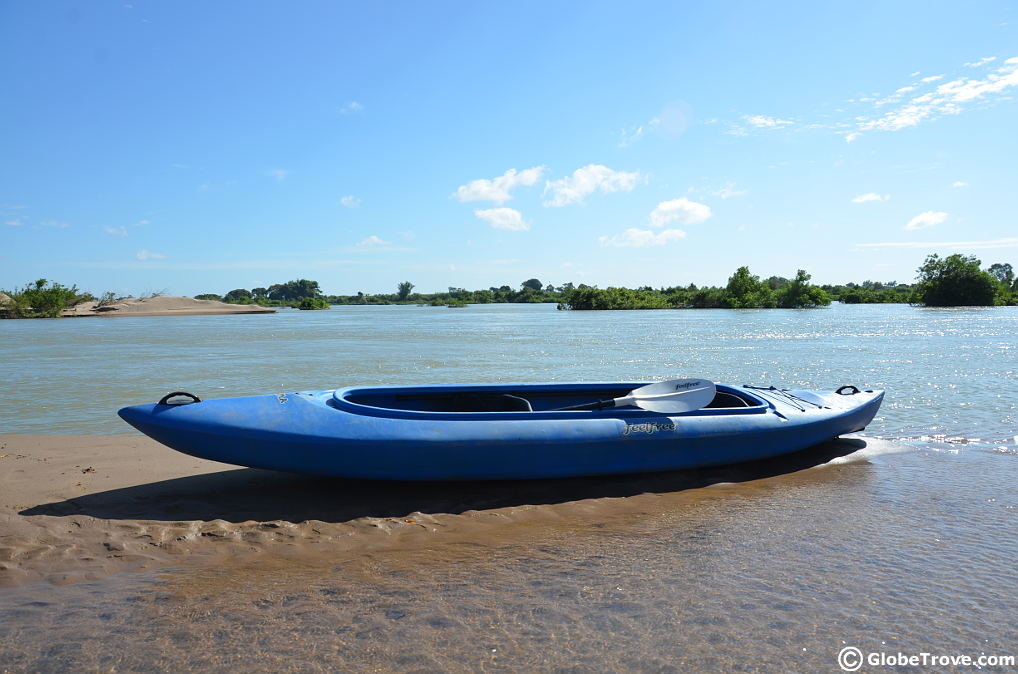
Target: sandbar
[{"x": 164, "y": 305}]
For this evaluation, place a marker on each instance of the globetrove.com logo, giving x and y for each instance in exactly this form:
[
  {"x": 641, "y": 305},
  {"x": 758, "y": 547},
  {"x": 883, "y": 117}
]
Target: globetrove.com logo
[{"x": 851, "y": 659}]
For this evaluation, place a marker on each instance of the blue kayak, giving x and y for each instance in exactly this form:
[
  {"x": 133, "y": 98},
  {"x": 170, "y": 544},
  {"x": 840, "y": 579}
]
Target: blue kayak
[{"x": 496, "y": 431}]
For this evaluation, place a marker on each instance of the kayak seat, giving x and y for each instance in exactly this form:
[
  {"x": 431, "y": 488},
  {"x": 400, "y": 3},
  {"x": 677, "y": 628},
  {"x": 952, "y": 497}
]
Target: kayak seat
[
  {"x": 724, "y": 400},
  {"x": 487, "y": 402}
]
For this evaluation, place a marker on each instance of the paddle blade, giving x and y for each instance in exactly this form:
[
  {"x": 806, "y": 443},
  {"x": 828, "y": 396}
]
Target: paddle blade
[{"x": 672, "y": 397}]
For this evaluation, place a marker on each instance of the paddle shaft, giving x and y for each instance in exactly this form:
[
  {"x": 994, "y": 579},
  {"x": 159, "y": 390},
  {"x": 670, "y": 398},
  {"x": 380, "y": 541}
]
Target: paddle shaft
[{"x": 598, "y": 405}]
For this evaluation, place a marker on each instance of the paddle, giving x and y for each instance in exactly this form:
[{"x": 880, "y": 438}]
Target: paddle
[{"x": 671, "y": 397}]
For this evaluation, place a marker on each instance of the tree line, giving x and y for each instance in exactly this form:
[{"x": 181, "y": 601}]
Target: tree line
[{"x": 955, "y": 280}]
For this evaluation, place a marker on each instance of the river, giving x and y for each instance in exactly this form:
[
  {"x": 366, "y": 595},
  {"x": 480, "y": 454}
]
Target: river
[{"x": 900, "y": 541}]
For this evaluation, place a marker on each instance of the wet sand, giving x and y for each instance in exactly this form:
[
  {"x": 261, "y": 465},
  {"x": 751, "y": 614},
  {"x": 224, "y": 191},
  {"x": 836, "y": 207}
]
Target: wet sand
[{"x": 78, "y": 508}]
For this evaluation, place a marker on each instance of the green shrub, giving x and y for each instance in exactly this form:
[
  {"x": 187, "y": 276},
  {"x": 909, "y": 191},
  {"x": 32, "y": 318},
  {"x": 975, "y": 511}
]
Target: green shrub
[
  {"x": 40, "y": 300},
  {"x": 954, "y": 281},
  {"x": 311, "y": 303}
]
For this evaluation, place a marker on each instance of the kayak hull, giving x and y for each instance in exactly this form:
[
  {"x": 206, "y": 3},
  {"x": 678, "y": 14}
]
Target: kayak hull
[{"x": 415, "y": 433}]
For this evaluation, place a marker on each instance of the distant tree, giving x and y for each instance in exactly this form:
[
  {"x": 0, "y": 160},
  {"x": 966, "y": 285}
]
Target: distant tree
[
  {"x": 800, "y": 294},
  {"x": 238, "y": 296},
  {"x": 260, "y": 292},
  {"x": 294, "y": 290},
  {"x": 588, "y": 298},
  {"x": 745, "y": 290},
  {"x": 954, "y": 281},
  {"x": 1003, "y": 272},
  {"x": 209, "y": 296},
  {"x": 42, "y": 299},
  {"x": 533, "y": 284},
  {"x": 403, "y": 290},
  {"x": 311, "y": 303}
]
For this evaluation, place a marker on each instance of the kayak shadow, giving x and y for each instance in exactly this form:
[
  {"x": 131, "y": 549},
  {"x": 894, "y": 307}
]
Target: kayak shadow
[{"x": 246, "y": 494}]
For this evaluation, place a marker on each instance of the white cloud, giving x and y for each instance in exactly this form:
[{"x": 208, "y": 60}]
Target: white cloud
[
  {"x": 351, "y": 107},
  {"x": 728, "y": 191},
  {"x": 763, "y": 122},
  {"x": 949, "y": 98},
  {"x": 870, "y": 196},
  {"x": 849, "y": 137},
  {"x": 673, "y": 121},
  {"x": 279, "y": 174},
  {"x": 146, "y": 254},
  {"x": 122, "y": 230},
  {"x": 15, "y": 222},
  {"x": 630, "y": 135},
  {"x": 587, "y": 180},
  {"x": 503, "y": 218},
  {"x": 926, "y": 219},
  {"x": 981, "y": 62},
  {"x": 681, "y": 210},
  {"x": 498, "y": 189},
  {"x": 56, "y": 224},
  {"x": 959, "y": 183},
  {"x": 1006, "y": 242},
  {"x": 641, "y": 238},
  {"x": 373, "y": 241},
  {"x": 350, "y": 201}
]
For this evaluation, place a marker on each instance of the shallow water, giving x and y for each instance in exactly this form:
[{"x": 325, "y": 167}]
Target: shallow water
[{"x": 905, "y": 544}]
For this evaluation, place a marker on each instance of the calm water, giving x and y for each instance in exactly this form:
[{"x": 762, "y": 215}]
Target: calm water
[{"x": 906, "y": 545}]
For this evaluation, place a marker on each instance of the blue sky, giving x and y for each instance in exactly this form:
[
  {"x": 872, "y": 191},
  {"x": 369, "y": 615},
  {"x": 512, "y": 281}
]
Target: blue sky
[{"x": 194, "y": 147}]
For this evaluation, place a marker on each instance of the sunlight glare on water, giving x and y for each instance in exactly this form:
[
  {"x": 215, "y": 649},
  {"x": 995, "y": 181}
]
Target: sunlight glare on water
[{"x": 948, "y": 372}]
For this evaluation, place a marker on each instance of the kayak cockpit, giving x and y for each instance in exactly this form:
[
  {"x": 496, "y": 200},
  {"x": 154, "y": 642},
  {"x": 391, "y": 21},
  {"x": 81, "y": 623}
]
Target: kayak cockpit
[{"x": 543, "y": 400}]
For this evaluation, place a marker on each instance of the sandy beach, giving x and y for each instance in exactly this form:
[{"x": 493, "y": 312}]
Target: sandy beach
[{"x": 164, "y": 306}]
